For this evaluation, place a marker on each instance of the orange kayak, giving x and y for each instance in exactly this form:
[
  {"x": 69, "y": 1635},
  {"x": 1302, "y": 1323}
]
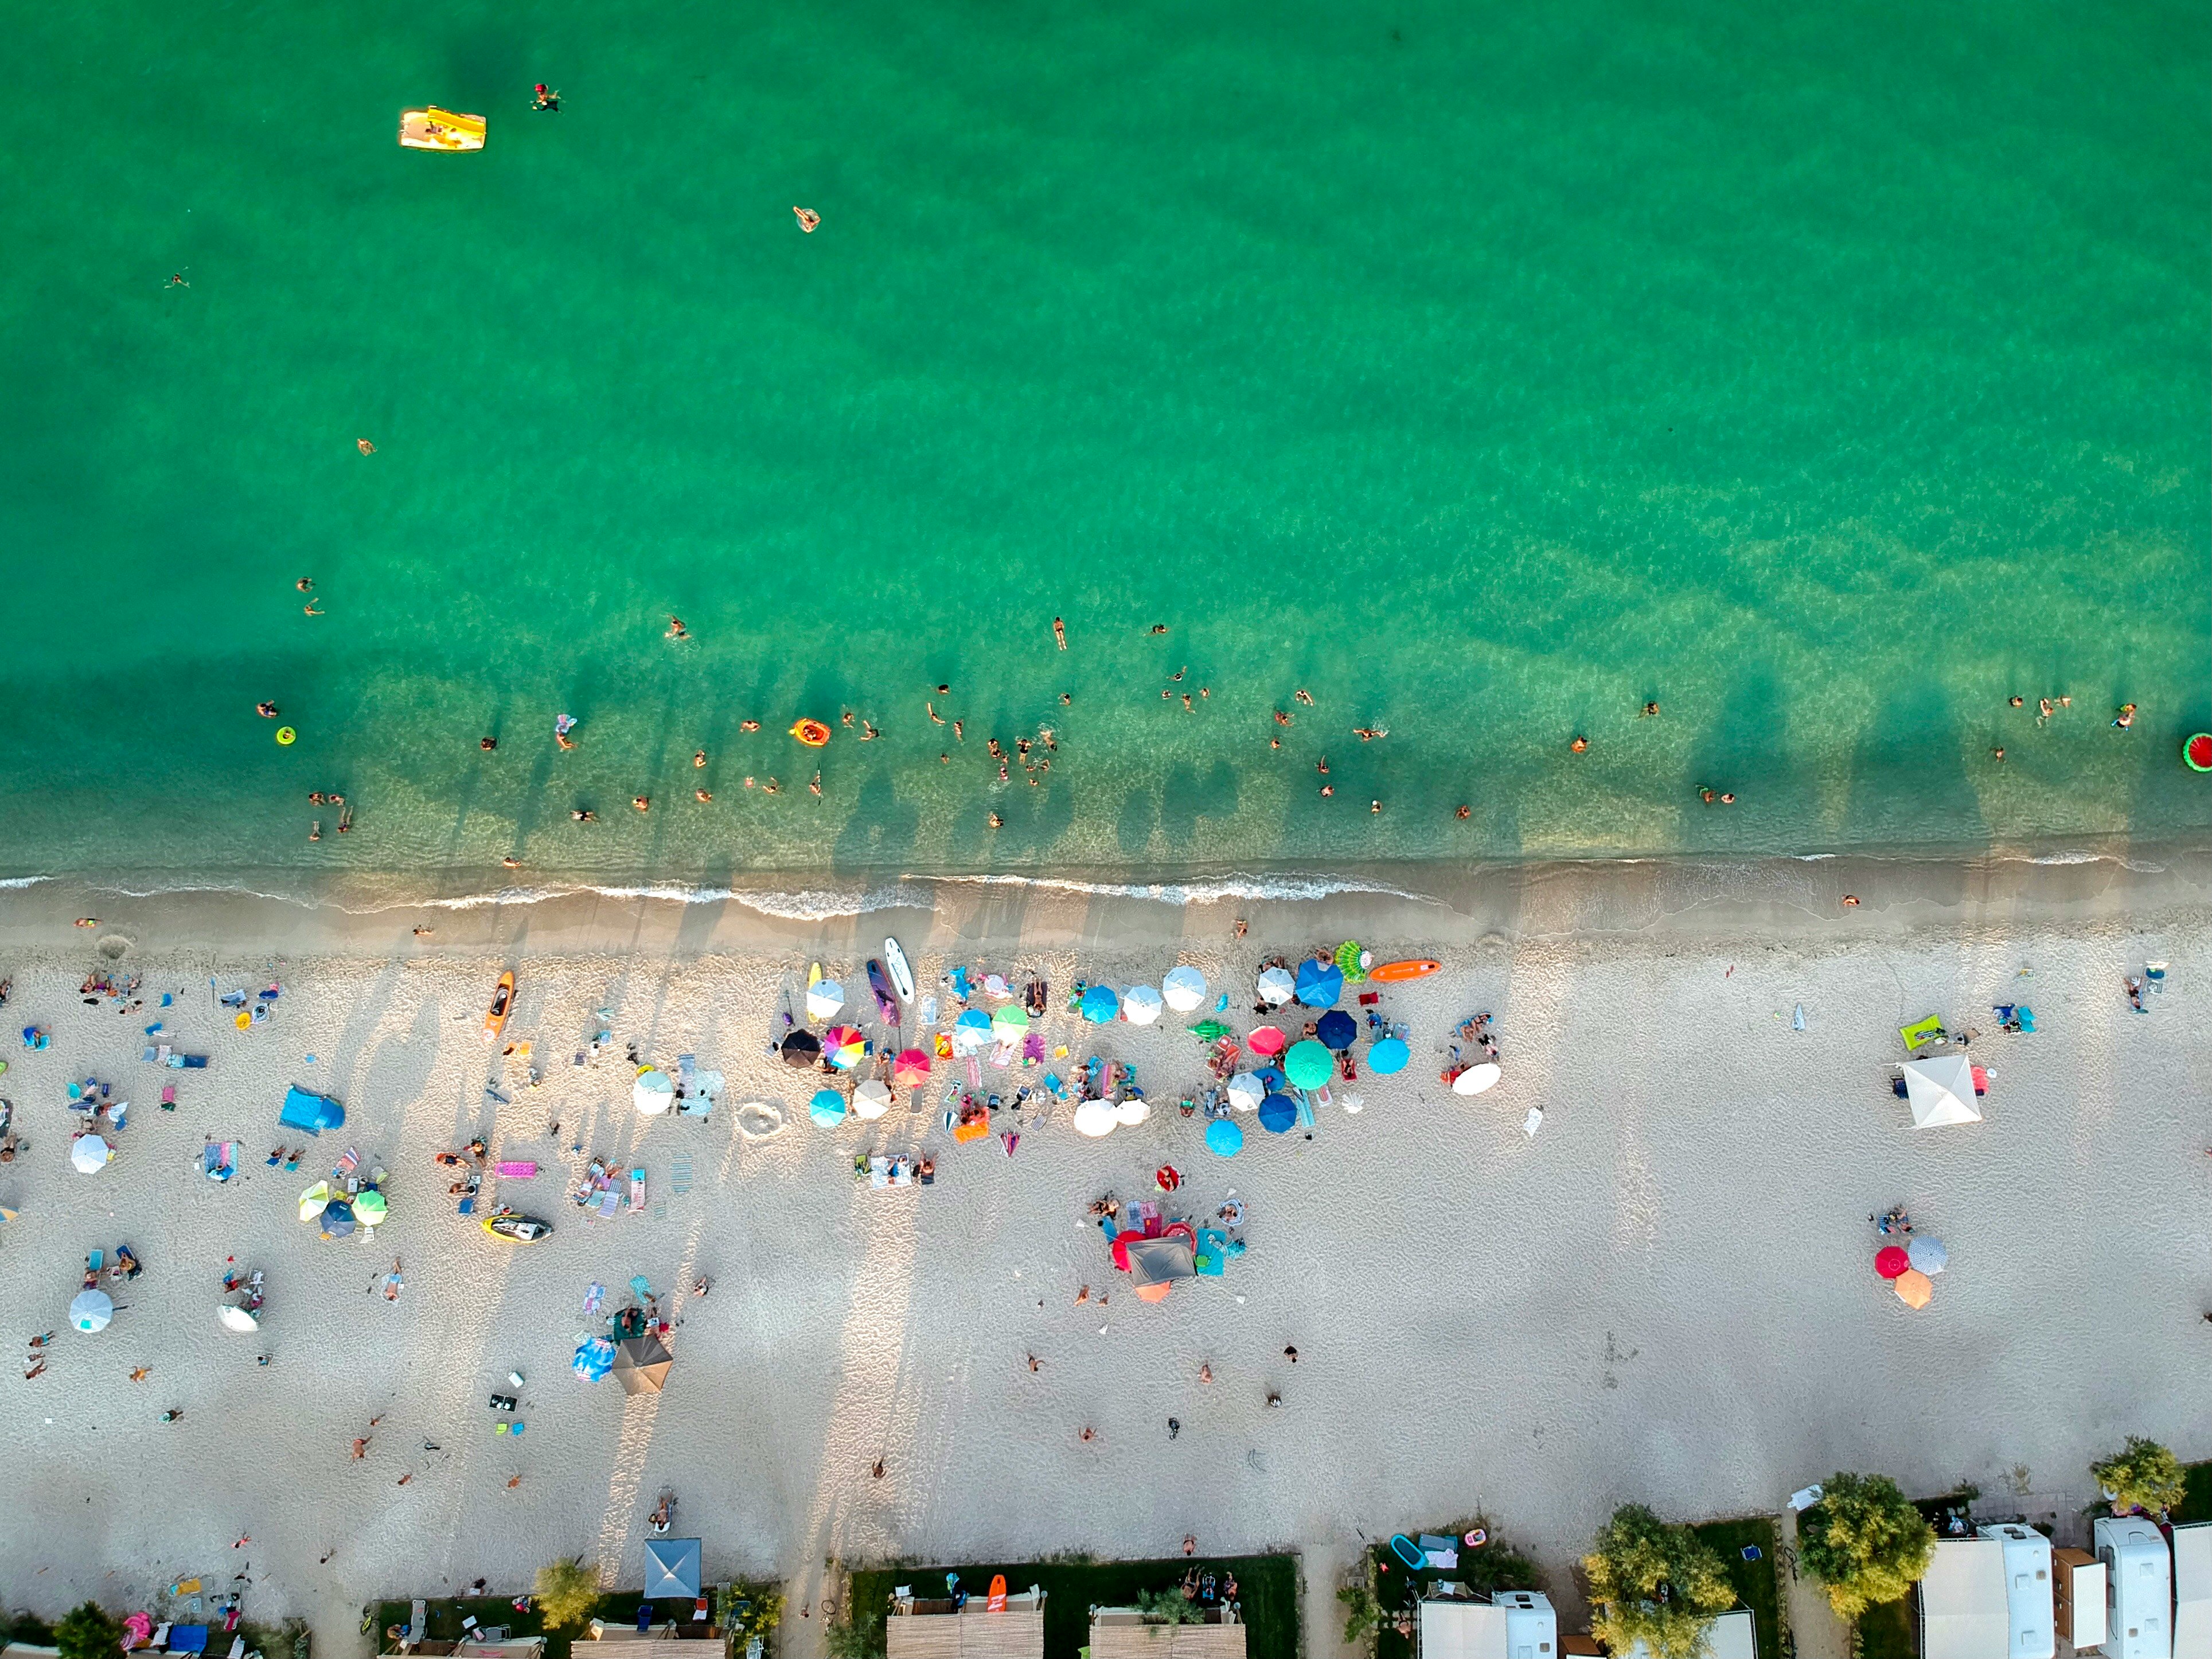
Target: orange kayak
[
  {"x": 1393, "y": 973},
  {"x": 502, "y": 1005}
]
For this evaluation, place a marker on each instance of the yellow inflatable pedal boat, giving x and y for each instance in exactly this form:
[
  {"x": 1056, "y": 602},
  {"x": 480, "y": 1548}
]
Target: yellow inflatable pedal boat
[{"x": 440, "y": 129}]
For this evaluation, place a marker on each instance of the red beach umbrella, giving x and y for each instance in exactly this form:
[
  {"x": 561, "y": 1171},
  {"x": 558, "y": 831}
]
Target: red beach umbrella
[
  {"x": 910, "y": 1069},
  {"x": 1266, "y": 1040},
  {"x": 1891, "y": 1262}
]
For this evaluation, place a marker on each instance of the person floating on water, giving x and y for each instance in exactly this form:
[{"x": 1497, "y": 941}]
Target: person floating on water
[
  {"x": 487, "y": 744},
  {"x": 1158, "y": 627},
  {"x": 306, "y": 584},
  {"x": 583, "y": 815},
  {"x": 543, "y": 97},
  {"x": 643, "y": 803},
  {"x": 698, "y": 757},
  {"x": 815, "y": 785},
  {"x": 2126, "y": 718},
  {"x": 312, "y": 609},
  {"x": 1303, "y": 697},
  {"x": 364, "y": 445},
  {"x": 562, "y": 726},
  {"x": 1580, "y": 745},
  {"x": 1060, "y": 637},
  {"x": 266, "y": 710},
  {"x": 1464, "y": 812},
  {"x": 702, "y": 794},
  {"x": 748, "y": 725},
  {"x": 177, "y": 278},
  {"x": 1650, "y": 709},
  {"x": 808, "y": 219},
  {"x": 676, "y": 630}
]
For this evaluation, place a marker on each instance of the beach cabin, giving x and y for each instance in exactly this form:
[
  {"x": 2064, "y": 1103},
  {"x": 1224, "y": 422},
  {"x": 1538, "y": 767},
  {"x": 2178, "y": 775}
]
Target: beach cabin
[
  {"x": 2138, "y": 1588},
  {"x": 1962, "y": 1601},
  {"x": 940, "y": 1628},
  {"x": 1125, "y": 1633},
  {"x": 2192, "y": 1589},
  {"x": 2077, "y": 1581},
  {"x": 2028, "y": 1591},
  {"x": 1455, "y": 1624}
]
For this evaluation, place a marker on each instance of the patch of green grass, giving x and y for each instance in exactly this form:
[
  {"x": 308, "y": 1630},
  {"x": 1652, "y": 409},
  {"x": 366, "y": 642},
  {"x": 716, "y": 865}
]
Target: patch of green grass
[
  {"x": 1267, "y": 1588},
  {"x": 2196, "y": 1494},
  {"x": 1886, "y": 1631},
  {"x": 1398, "y": 1587},
  {"x": 1755, "y": 1584},
  {"x": 442, "y": 1617}
]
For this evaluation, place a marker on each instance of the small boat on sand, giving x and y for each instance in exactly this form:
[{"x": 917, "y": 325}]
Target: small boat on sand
[
  {"x": 502, "y": 1005},
  {"x": 440, "y": 129}
]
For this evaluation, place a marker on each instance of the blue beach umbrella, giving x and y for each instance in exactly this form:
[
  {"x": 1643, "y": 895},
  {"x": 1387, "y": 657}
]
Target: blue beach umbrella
[
  {"x": 1225, "y": 1137},
  {"x": 1308, "y": 1064},
  {"x": 1100, "y": 1004},
  {"x": 827, "y": 1108},
  {"x": 1278, "y": 1113},
  {"x": 1320, "y": 983},
  {"x": 1388, "y": 1056},
  {"x": 1272, "y": 1080},
  {"x": 971, "y": 1032},
  {"x": 1336, "y": 1029},
  {"x": 338, "y": 1220}
]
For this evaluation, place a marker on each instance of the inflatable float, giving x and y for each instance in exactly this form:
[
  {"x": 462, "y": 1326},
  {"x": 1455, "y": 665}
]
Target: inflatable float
[
  {"x": 813, "y": 733},
  {"x": 1393, "y": 973},
  {"x": 440, "y": 129},
  {"x": 2197, "y": 753},
  {"x": 285, "y": 735}
]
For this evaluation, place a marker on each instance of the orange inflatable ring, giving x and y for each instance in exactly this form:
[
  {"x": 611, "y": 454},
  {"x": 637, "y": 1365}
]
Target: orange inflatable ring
[{"x": 813, "y": 733}]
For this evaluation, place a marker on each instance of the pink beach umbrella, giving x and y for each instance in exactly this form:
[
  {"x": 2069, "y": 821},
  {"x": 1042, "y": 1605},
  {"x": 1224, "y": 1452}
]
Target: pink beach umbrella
[
  {"x": 1891, "y": 1262},
  {"x": 909, "y": 1068},
  {"x": 1266, "y": 1040}
]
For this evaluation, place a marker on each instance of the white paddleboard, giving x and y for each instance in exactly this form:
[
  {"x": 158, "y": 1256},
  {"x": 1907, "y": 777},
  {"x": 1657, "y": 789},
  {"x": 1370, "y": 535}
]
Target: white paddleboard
[{"x": 901, "y": 976}]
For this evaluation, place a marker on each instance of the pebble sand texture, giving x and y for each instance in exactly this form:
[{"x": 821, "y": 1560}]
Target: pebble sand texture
[{"x": 1665, "y": 1295}]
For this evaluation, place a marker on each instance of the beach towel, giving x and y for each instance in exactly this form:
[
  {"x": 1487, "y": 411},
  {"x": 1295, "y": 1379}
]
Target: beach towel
[
  {"x": 1211, "y": 1260},
  {"x": 215, "y": 1160}
]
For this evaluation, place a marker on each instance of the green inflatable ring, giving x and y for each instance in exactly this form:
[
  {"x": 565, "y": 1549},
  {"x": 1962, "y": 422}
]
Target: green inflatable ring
[{"x": 285, "y": 734}]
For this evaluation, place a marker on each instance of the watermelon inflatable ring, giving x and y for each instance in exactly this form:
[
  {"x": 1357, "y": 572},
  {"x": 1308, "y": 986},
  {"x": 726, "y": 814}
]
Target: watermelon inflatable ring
[{"x": 2197, "y": 752}]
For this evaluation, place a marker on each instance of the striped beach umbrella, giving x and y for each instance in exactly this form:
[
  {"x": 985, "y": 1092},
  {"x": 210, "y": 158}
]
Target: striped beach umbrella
[{"x": 842, "y": 1047}]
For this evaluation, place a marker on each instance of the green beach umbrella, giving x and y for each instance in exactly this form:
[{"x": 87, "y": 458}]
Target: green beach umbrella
[
  {"x": 1308, "y": 1064},
  {"x": 1012, "y": 1020}
]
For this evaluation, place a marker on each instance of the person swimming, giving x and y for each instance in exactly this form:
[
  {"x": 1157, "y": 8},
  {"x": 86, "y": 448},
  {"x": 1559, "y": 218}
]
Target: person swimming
[
  {"x": 702, "y": 794},
  {"x": 364, "y": 445},
  {"x": 748, "y": 725},
  {"x": 1060, "y": 636},
  {"x": 814, "y": 785},
  {"x": 1157, "y": 628},
  {"x": 1464, "y": 812},
  {"x": 1649, "y": 709},
  {"x": 487, "y": 744},
  {"x": 543, "y": 97},
  {"x": 808, "y": 219},
  {"x": 698, "y": 757},
  {"x": 2126, "y": 717},
  {"x": 266, "y": 710},
  {"x": 933, "y": 714},
  {"x": 1580, "y": 745},
  {"x": 643, "y": 803},
  {"x": 583, "y": 815},
  {"x": 997, "y": 823},
  {"x": 676, "y": 630},
  {"x": 306, "y": 584}
]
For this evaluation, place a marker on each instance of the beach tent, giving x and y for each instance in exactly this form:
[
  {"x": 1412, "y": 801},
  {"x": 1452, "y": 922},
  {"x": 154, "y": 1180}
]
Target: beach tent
[
  {"x": 801, "y": 1049},
  {"x": 1160, "y": 1260},
  {"x": 90, "y": 1154},
  {"x": 1095, "y": 1118},
  {"x": 827, "y": 1108},
  {"x": 91, "y": 1310},
  {"x": 652, "y": 1093},
  {"x": 1140, "y": 1005},
  {"x": 1100, "y": 1004},
  {"x": 1224, "y": 1137},
  {"x": 1278, "y": 1113},
  {"x": 1184, "y": 988},
  {"x": 1388, "y": 1056},
  {"x": 313, "y": 1113},
  {"x": 672, "y": 1568},
  {"x": 640, "y": 1365},
  {"x": 1276, "y": 987},
  {"x": 1476, "y": 1078},
  {"x": 1941, "y": 1091},
  {"x": 1308, "y": 1064},
  {"x": 1320, "y": 984},
  {"x": 1336, "y": 1029},
  {"x": 1963, "y": 1614},
  {"x": 871, "y": 1099},
  {"x": 1246, "y": 1091}
]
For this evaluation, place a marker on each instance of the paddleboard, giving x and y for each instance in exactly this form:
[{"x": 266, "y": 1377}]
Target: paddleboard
[
  {"x": 879, "y": 982},
  {"x": 901, "y": 976},
  {"x": 1393, "y": 973},
  {"x": 996, "y": 1600}
]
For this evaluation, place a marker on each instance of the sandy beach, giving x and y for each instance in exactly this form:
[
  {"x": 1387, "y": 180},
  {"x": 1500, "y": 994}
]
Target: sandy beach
[{"x": 1664, "y": 1295}]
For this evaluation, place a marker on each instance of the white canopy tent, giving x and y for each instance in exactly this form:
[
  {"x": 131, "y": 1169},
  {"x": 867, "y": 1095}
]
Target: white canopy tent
[
  {"x": 1941, "y": 1091},
  {"x": 1963, "y": 1614}
]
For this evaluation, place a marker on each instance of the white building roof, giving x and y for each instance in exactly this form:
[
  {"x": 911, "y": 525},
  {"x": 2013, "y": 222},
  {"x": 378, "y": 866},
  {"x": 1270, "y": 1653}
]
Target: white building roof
[{"x": 1962, "y": 1602}]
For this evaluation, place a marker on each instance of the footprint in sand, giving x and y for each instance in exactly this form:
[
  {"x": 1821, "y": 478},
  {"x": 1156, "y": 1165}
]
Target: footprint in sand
[{"x": 759, "y": 1118}]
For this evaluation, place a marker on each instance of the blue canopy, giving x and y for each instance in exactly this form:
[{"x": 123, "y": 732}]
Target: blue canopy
[
  {"x": 827, "y": 1108},
  {"x": 671, "y": 1567},
  {"x": 1224, "y": 1137},
  {"x": 1278, "y": 1113},
  {"x": 1100, "y": 1004},
  {"x": 1320, "y": 983},
  {"x": 313, "y": 1113},
  {"x": 976, "y": 1021},
  {"x": 1336, "y": 1029},
  {"x": 1388, "y": 1056}
]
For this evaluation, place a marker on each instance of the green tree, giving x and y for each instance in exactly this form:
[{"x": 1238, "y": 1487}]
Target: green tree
[
  {"x": 859, "y": 1635},
  {"x": 1863, "y": 1542},
  {"x": 744, "y": 1614},
  {"x": 2142, "y": 1475},
  {"x": 1655, "y": 1583},
  {"x": 1167, "y": 1606},
  {"x": 88, "y": 1634},
  {"x": 1362, "y": 1615},
  {"x": 567, "y": 1590}
]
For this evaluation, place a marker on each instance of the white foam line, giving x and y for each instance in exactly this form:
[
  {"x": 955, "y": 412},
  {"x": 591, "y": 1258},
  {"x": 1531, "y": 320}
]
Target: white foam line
[{"x": 1198, "y": 892}]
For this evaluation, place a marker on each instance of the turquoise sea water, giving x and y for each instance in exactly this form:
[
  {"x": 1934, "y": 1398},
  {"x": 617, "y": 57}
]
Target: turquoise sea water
[{"x": 1484, "y": 371}]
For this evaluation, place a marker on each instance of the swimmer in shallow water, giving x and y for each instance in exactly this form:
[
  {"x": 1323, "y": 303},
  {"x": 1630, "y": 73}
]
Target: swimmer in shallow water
[
  {"x": 997, "y": 823},
  {"x": 702, "y": 794},
  {"x": 1580, "y": 745},
  {"x": 487, "y": 744},
  {"x": 933, "y": 714},
  {"x": 1463, "y": 812},
  {"x": 814, "y": 785},
  {"x": 643, "y": 803},
  {"x": 868, "y": 733},
  {"x": 1060, "y": 633},
  {"x": 808, "y": 219},
  {"x": 1649, "y": 711},
  {"x": 1303, "y": 697},
  {"x": 266, "y": 710},
  {"x": 364, "y": 445},
  {"x": 698, "y": 757},
  {"x": 676, "y": 630},
  {"x": 306, "y": 584},
  {"x": 583, "y": 815},
  {"x": 312, "y": 609},
  {"x": 1157, "y": 628}
]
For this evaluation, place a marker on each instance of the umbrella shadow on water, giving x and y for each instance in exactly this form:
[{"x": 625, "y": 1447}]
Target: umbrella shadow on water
[
  {"x": 1909, "y": 781},
  {"x": 1190, "y": 795},
  {"x": 1132, "y": 829},
  {"x": 880, "y": 831},
  {"x": 1741, "y": 752}
]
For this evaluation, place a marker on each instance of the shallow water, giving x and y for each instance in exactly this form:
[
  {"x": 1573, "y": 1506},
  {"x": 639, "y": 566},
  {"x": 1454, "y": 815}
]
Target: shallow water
[{"x": 1484, "y": 372}]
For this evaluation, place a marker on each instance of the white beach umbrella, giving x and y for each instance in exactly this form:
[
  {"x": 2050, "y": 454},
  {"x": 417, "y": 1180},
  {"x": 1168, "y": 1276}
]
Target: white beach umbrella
[
  {"x": 1133, "y": 1111},
  {"x": 1941, "y": 1091},
  {"x": 91, "y": 1310},
  {"x": 1476, "y": 1078},
  {"x": 1184, "y": 988},
  {"x": 90, "y": 1155},
  {"x": 235, "y": 1318},
  {"x": 652, "y": 1093},
  {"x": 1140, "y": 1005},
  {"x": 1095, "y": 1118},
  {"x": 824, "y": 998},
  {"x": 1276, "y": 987},
  {"x": 1246, "y": 1091},
  {"x": 872, "y": 1098}
]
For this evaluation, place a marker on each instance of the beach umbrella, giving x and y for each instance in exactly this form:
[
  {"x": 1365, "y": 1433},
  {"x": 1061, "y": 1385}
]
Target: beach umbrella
[
  {"x": 369, "y": 1208},
  {"x": 1224, "y": 1137},
  {"x": 971, "y": 1032},
  {"x": 1929, "y": 1256},
  {"x": 823, "y": 999},
  {"x": 337, "y": 1219},
  {"x": 1140, "y": 1005},
  {"x": 1246, "y": 1090},
  {"x": 90, "y": 1155},
  {"x": 1913, "y": 1288},
  {"x": 801, "y": 1049},
  {"x": 1891, "y": 1260},
  {"x": 1276, "y": 987},
  {"x": 1133, "y": 1111},
  {"x": 1167, "y": 1177},
  {"x": 651, "y": 1092},
  {"x": 1095, "y": 1118},
  {"x": 842, "y": 1046},
  {"x": 827, "y": 1108},
  {"x": 1308, "y": 1064},
  {"x": 1010, "y": 1021},
  {"x": 1278, "y": 1113},
  {"x": 909, "y": 1068},
  {"x": 1100, "y": 1004},
  {"x": 1388, "y": 1056},
  {"x": 1266, "y": 1040},
  {"x": 311, "y": 1200},
  {"x": 1351, "y": 962},
  {"x": 1476, "y": 1078},
  {"x": 91, "y": 1311},
  {"x": 1320, "y": 984},
  {"x": 1184, "y": 988},
  {"x": 871, "y": 1099},
  {"x": 235, "y": 1318},
  {"x": 1209, "y": 1031},
  {"x": 1336, "y": 1029}
]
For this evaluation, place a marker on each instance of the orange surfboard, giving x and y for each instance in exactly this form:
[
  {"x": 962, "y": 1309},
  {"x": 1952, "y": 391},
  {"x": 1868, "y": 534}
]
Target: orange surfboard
[
  {"x": 997, "y": 1601},
  {"x": 1393, "y": 973}
]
